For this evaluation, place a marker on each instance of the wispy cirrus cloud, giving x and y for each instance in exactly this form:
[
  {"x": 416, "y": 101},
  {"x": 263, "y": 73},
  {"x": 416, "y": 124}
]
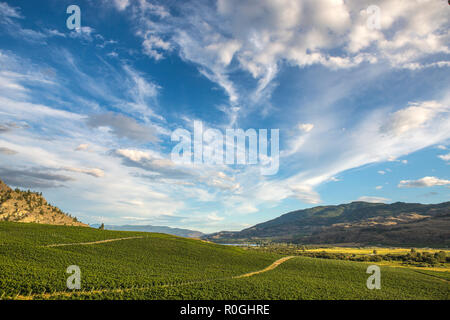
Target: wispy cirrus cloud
[
  {"x": 100, "y": 112},
  {"x": 95, "y": 172},
  {"x": 259, "y": 36}
]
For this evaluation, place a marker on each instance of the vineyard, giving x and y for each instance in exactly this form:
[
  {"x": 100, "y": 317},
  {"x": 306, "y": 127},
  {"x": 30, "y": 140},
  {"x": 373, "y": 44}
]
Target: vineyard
[{"x": 157, "y": 266}]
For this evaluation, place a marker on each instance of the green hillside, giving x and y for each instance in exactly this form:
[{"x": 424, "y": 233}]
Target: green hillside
[
  {"x": 158, "y": 266},
  {"x": 27, "y": 266},
  {"x": 303, "y": 278}
]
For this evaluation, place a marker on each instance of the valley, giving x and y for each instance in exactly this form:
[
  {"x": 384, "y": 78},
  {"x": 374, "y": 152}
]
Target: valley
[{"x": 34, "y": 259}]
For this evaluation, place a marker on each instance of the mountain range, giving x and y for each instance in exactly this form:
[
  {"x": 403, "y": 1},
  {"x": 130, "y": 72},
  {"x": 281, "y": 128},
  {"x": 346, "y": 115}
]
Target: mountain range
[
  {"x": 358, "y": 222},
  {"x": 158, "y": 229},
  {"x": 355, "y": 223}
]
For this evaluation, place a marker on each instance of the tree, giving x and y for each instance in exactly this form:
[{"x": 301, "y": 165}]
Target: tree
[
  {"x": 102, "y": 227},
  {"x": 440, "y": 256}
]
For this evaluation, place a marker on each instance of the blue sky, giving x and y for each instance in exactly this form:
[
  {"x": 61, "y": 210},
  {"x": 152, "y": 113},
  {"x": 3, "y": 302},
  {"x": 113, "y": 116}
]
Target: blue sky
[{"x": 86, "y": 115}]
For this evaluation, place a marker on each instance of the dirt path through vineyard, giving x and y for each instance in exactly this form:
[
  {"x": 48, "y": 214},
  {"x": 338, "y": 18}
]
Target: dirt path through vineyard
[
  {"x": 89, "y": 243},
  {"x": 119, "y": 290},
  {"x": 271, "y": 267}
]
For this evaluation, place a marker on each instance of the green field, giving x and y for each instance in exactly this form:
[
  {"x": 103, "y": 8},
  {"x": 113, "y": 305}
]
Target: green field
[{"x": 157, "y": 266}]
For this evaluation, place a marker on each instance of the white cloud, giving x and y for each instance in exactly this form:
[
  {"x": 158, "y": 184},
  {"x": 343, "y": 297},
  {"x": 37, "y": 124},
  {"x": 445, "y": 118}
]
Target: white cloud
[
  {"x": 245, "y": 208},
  {"x": 54, "y": 32},
  {"x": 149, "y": 9},
  {"x": 84, "y": 33},
  {"x": 10, "y": 25},
  {"x": 305, "y": 194},
  {"x": 142, "y": 92},
  {"x": 138, "y": 155},
  {"x": 379, "y": 187},
  {"x": 214, "y": 217},
  {"x": 95, "y": 172},
  {"x": 7, "y": 11},
  {"x": 234, "y": 36},
  {"x": 153, "y": 44},
  {"x": 377, "y": 138},
  {"x": 121, "y": 4},
  {"x": 445, "y": 157},
  {"x": 424, "y": 182},
  {"x": 298, "y": 140},
  {"x": 260, "y": 35},
  {"x": 373, "y": 199},
  {"x": 29, "y": 111},
  {"x": 413, "y": 117},
  {"x": 44, "y": 138},
  {"x": 225, "y": 50},
  {"x": 394, "y": 159},
  {"x": 165, "y": 170},
  {"x": 82, "y": 147},
  {"x": 306, "y": 127}
]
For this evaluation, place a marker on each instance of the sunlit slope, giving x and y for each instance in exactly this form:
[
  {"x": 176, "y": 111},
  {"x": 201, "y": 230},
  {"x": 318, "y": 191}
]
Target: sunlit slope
[
  {"x": 360, "y": 223},
  {"x": 26, "y": 206},
  {"x": 28, "y": 265},
  {"x": 157, "y": 266}
]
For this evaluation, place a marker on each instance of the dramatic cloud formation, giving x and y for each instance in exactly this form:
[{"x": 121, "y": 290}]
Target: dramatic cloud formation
[
  {"x": 260, "y": 35},
  {"x": 359, "y": 102}
]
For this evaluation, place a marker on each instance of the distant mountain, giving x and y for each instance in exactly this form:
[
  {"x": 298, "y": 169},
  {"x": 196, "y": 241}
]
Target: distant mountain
[
  {"x": 26, "y": 206},
  {"x": 158, "y": 229},
  {"x": 357, "y": 222}
]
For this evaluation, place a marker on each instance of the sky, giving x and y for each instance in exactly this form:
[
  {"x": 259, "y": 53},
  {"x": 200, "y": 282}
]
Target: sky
[{"x": 358, "y": 91}]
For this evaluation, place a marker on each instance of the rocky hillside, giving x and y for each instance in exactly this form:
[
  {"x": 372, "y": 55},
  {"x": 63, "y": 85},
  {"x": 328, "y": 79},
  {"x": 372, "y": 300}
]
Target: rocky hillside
[
  {"x": 26, "y": 206},
  {"x": 413, "y": 230},
  {"x": 357, "y": 222}
]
